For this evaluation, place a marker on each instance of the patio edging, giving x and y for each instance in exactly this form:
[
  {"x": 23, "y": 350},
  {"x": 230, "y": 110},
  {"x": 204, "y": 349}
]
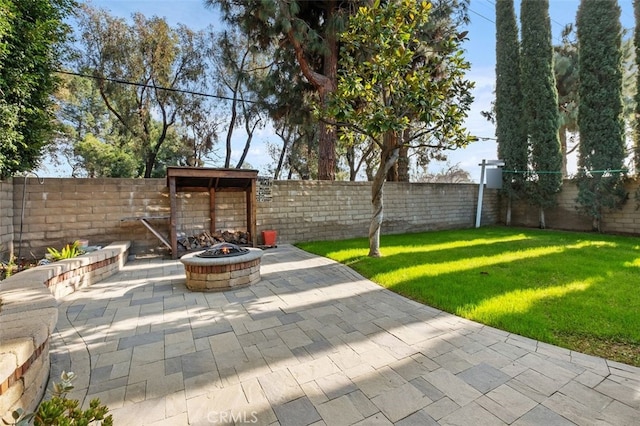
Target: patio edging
[{"x": 28, "y": 316}]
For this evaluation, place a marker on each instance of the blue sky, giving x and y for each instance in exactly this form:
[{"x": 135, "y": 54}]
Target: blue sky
[{"x": 480, "y": 49}]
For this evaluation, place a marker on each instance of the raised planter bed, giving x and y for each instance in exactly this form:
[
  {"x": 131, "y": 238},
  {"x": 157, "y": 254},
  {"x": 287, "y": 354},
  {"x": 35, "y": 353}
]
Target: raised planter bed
[{"x": 28, "y": 316}]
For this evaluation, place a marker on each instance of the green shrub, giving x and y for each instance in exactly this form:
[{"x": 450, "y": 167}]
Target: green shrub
[
  {"x": 62, "y": 411},
  {"x": 67, "y": 252}
]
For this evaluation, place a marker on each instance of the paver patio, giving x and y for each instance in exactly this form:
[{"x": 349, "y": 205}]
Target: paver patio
[{"x": 316, "y": 343}]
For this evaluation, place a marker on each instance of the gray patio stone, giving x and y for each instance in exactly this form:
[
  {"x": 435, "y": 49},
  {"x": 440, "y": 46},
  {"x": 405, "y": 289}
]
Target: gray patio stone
[
  {"x": 419, "y": 418},
  {"x": 400, "y": 402},
  {"x": 427, "y": 389},
  {"x": 339, "y": 412},
  {"x": 484, "y": 377},
  {"x": 299, "y": 412},
  {"x": 471, "y": 414},
  {"x": 314, "y": 343},
  {"x": 541, "y": 415},
  {"x": 506, "y": 403}
]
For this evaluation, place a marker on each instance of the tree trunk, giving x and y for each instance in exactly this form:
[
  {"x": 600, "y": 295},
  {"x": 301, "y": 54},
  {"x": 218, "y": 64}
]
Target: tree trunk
[
  {"x": 392, "y": 174},
  {"x": 250, "y": 131},
  {"x": 596, "y": 223},
  {"x": 403, "y": 164},
  {"x": 283, "y": 152},
  {"x": 351, "y": 161},
  {"x": 325, "y": 84},
  {"x": 328, "y": 135},
  {"x": 563, "y": 147},
  {"x": 232, "y": 125},
  {"x": 391, "y": 153},
  {"x": 326, "y": 150},
  {"x": 507, "y": 220},
  {"x": 543, "y": 225},
  {"x": 148, "y": 166},
  {"x": 377, "y": 204},
  {"x": 390, "y": 139}
]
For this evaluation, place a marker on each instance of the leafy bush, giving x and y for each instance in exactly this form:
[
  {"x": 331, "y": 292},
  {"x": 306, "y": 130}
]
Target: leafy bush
[
  {"x": 67, "y": 252},
  {"x": 62, "y": 411}
]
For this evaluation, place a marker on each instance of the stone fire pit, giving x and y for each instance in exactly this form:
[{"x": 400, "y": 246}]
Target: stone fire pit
[{"x": 222, "y": 267}]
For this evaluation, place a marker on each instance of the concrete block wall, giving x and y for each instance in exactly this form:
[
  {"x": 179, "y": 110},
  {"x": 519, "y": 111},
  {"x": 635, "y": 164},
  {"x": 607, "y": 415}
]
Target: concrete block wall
[
  {"x": 316, "y": 210},
  {"x": 193, "y": 211},
  {"x": 61, "y": 210},
  {"x": 6, "y": 219},
  {"x": 566, "y": 215},
  {"x": 415, "y": 207},
  {"x": 320, "y": 210}
]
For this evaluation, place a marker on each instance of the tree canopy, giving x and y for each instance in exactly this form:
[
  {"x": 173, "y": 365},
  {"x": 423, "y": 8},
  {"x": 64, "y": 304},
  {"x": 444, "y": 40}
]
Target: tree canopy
[
  {"x": 32, "y": 33},
  {"x": 401, "y": 82},
  {"x": 541, "y": 104},
  {"x": 160, "y": 64},
  {"x": 509, "y": 109},
  {"x": 304, "y": 32},
  {"x": 600, "y": 115}
]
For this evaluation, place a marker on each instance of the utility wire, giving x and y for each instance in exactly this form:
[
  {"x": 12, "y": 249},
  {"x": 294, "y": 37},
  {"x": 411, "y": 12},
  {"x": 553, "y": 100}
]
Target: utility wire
[
  {"x": 542, "y": 172},
  {"x": 152, "y": 86},
  {"x": 482, "y": 16},
  {"x": 493, "y": 22}
]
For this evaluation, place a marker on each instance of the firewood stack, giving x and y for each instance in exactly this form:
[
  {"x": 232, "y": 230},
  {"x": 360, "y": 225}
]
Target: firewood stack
[{"x": 204, "y": 240}]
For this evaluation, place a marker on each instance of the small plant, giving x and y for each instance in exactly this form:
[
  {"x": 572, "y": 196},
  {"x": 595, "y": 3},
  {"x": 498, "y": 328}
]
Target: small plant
[
  {"x": 62, "y": 411},
  {"x": 67, "y": 252},
  {"x": 13, "y": 266},
  {"x": 7, "y": 269}
]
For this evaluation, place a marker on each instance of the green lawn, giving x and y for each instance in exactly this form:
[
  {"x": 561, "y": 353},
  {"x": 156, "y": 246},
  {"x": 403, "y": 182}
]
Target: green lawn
[{"x": 576, "y": 290}]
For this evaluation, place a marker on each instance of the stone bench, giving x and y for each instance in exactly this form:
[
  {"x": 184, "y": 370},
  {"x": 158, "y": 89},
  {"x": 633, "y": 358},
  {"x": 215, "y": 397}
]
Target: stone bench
[{"x": 28, "y": 316}]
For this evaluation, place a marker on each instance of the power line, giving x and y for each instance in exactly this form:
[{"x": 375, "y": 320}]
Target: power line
[
  {"x": 551, "y": 172},
  {"x": 481, "y": 15},
  {"x": 493, "y": 22},
  {"x": 153, "y": 86}
]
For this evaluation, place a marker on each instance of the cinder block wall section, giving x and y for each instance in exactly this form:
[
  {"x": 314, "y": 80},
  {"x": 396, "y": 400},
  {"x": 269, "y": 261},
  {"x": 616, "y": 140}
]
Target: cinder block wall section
[
  {"x": 321, "y": 210},
  {"x": 566, "y": 215},
  {"x": 6, "y": 219},
  {"x": 59, "y": 211}
]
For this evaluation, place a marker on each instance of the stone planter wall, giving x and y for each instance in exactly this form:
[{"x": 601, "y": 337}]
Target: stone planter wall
[{"x": 28, "y": 316}]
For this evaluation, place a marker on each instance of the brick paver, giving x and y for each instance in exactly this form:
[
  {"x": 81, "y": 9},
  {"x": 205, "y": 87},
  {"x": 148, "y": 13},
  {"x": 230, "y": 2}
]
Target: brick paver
[{"x": 315, "y": 343}]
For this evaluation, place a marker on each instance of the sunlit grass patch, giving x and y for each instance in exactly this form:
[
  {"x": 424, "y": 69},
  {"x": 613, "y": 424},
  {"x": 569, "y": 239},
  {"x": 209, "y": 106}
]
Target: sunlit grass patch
[{"x": 575, "y": 290}]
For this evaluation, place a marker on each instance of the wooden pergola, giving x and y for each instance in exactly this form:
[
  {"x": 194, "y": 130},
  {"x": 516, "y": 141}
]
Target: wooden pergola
[{"x": 199, "y": 179}]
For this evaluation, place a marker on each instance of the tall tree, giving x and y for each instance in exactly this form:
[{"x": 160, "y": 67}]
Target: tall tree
[
  {"x": 308, "y": 31},
  {"x": 99, "y": 159},
  {"x": 87, "y": 137},
  {"x": 541, "y": 104},
  {"x": 444, "y": 14},
  {"x": 636, "y": 40},
  {"x": 398, "y": 89},
  {"x": 238, "y": 69},
  {"x": 32, "y": 33},
  {"x": 152, "y": 56},
  {"x": 565, "y": 67},
  {"x": 509, "y": 108},
  {"x": 602, "y": 145}
]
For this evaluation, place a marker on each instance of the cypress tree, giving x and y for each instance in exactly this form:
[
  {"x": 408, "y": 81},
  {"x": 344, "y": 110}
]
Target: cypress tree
[
  {"x": 600, "y": 116},
  {"x": 541, "y": 104},
  {"x": 510, "y": 130},
  {"x": 636, "y": 41}
]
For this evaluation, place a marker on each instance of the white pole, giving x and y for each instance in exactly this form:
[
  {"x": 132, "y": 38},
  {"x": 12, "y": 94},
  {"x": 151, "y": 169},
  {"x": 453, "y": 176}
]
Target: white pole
[{"x": 480, "y": 193}]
